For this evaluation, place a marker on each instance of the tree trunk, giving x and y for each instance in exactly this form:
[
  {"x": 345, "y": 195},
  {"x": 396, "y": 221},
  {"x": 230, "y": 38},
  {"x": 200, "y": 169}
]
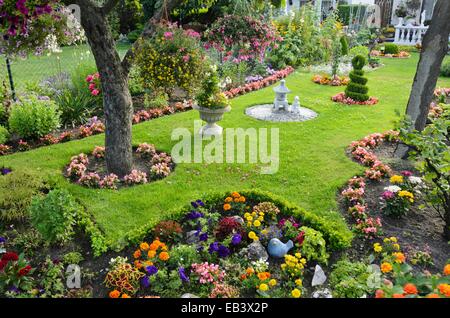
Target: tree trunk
[
  {"x": 434, "y": 48},
  {"x": 117, "y": 102},
  {"x": 447, "y": 223}
]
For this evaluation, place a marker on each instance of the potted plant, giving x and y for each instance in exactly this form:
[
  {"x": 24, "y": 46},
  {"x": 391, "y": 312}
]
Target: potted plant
[{"x": 211, "y": 104}]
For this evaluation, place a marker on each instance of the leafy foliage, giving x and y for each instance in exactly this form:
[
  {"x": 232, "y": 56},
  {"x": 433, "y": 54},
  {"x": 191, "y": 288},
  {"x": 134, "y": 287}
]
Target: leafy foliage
[
  {"x": 357, "y": 89},
  {"x": 54, "y": 215},
  {"x": 349, "y": 280},
  {"x": 314, "y": 246}
]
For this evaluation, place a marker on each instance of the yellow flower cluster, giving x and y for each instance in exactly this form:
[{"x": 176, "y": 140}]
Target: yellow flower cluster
[
  {"x": 377, "y": 248},
  {"x": 396, "y": 179},
  {"x": 254, "y": 219},
  {"x": 293, "y": 264},
  {"x": 406, "y": 194}
]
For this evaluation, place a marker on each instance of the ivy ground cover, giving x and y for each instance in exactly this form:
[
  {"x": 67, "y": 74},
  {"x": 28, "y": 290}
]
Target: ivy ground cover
[{"x": 313, "y": 163}]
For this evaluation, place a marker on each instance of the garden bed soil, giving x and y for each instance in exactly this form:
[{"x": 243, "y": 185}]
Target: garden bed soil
[{"x": 420, "y": 230}]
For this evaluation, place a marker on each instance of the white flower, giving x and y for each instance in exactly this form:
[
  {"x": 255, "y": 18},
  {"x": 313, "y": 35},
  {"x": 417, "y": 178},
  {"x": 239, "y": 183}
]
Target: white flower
[
  {"x": 415, "y": 180},
  {"x": 393, "y": 189}
]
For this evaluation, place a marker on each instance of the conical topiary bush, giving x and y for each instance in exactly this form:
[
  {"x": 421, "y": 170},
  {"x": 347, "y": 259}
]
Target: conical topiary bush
[{"x": 357, "y": 89}]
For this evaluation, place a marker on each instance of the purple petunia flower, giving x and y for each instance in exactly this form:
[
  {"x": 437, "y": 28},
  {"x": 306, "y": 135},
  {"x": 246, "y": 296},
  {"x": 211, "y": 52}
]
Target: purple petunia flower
[
  {"x": 200, "y": 203},
  {"x": 151, "y": 270},
  {"x": 145, "y": 282},
  {"x": 183, "y": 276},
  {"x": 223, "y": 251},
  {"x": 236, "y": 239},
  {"x": 213, "y": 247},
  {"x": 2, "y": 240},
  {"x": 193, "y": 215},
  {"x": 203, "y": 237},
  {"x": 5, "y": 171}
]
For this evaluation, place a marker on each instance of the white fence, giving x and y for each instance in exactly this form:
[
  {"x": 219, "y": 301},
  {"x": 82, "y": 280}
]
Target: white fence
[{"x": 409, "y": 34}]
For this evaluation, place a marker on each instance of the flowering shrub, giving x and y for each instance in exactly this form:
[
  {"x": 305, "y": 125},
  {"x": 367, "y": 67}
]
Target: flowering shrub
[
  {"x": 397, "y": 201},
  {"x": 160, "y": 170},
  {"x": 15, "y": 272},
  {"x": 245, "y": 38},
  {"x": 136, "y": 177},
  {"x": 93, "y": 81},
  {"x": 93, "y": 127},
  {"x": 172, "y": 58},
  {"x": 110, "y": 181},
  {"x": 146, "y": 150},
  {"x": 90, "y": 180},
  {"x": 99, "y": 152}
]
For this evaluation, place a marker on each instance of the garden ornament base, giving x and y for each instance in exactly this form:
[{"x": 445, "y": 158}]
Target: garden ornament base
[{"x": 211, "y": 117}]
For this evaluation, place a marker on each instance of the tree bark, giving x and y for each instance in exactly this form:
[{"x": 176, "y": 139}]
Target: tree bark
[
  {"x": 434, "y": 48},
  {"x": 117, "y": 102}
]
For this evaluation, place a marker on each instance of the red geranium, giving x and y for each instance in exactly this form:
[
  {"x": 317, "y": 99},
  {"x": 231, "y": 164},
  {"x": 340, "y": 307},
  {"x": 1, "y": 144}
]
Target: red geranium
[
  {"x": 10, "y": 256},
  {"x": 24, "y": 271}
]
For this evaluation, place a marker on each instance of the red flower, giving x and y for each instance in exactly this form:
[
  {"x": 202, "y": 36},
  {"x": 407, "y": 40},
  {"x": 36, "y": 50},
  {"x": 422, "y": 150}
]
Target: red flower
[
  {"x": 300, "y": 238},
  {"x": 3, "y": 264},
  {"x": 10, "y": 256},
  {"x": 24, "y": 271}
]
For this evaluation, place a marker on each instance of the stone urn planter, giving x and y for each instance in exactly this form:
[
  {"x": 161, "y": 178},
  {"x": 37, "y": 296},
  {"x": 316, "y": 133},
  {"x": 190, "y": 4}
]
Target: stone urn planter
[{"x": 211, "y": 117}]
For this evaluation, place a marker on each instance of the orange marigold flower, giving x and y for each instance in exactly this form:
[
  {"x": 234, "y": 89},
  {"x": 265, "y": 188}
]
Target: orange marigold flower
[
  {"x": 399, "y": 257},
  {"x": 235, "y": 195},
  {"x": 137, "y": 254},
  {"x": 433, "y": 295},
  {"x": 398, "y": 296},
  {"x": 137, "y": 264},
  {"x": 226, "y": 207},
  {"x": 237, "y": 200},
  {"x": 386, "y": 267},
  {"x": 125, "y": 296},
  {"x": 144, "y": 246},
  {"x": 242, "y": 199},
  {"x": 444, "y": 289},
  {"x": 379, "y": 293},
  {"x": 154, "y": 246},
  {"x": 250, "y": 271},
  {"x": 447, "y": 270},
  {"x": 151, "y": 254},
  {"x": 410, "y": 289},
  {"x": 164, "y": 256},
  {"x": 243, "y": 277},
  {"x": 228, "y": 199},
  {"x": 114, "y": 294}
]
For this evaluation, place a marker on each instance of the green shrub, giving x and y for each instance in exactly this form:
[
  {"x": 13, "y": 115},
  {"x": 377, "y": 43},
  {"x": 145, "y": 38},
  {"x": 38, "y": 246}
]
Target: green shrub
[
  {"x": 314, "y": 246},
  {"x": 72, "y": 258},
  {"x": 350, "y": 280},
  {"x": 33, "y": 118},
  {"x": 359, "y": 50},
  {"x": 344, "y": 45},
  {"x": 184, "y": 256},
  {"x": 16, "y": 192},
  {"x": 76, "y": 106},
  {"x": 4, "y": 134},
  {"x": 445, "y": 68},
  {"x": 357, "y": 89},
  {"x": 54, "y": 215},
  {"x": 391, "y": 48}
]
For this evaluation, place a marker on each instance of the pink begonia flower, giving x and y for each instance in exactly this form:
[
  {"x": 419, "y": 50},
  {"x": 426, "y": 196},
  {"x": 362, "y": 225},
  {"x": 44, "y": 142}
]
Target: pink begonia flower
[
  {"x": 168, "y": 35},
  {"x": 89, "y": 78},
  {"x": 186, "y": 58},
  {"x": 92, "y": 86},
  {"x": 95, "y": 92}
]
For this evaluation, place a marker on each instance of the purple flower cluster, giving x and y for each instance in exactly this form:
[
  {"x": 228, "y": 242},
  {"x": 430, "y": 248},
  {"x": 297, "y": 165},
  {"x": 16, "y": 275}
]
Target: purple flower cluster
[
  {"x": 197, "y": 204},
  {"x": 220, "y": 249},
  {"x": 193, "y": 215},
  {"x": 4, "y": 171},
  {"x": 183, "y": 276},
  {"x": 236, "y": 239}
]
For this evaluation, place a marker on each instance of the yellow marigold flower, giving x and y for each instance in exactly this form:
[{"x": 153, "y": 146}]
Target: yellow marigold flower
[
  {"x": 377, "y": 247},
  {"x": 298, "y": 255},
  {"x": 246, "y": 215},
  {"x": 396, "y": 179},
  {"x": 252, "y": 235},
  {"x": 249, "y": 224},
  {"x": 296, "y": 293},
  {"x": 272, "y": 282},
  {"x": 137, "y": 254},
  {"x": 393, "y": 239},
  {"x": 386, "y": 267},
  {"x": 257, "y": 223},
  {"x": 387, "y": 240},
  {"x": 144, "y": 246},
  {"x": 249, "y": 218},
  {"x": 263, "y": 287},
  {"x": 298, "y": 282},
  {"x": 396, "y": 247}
]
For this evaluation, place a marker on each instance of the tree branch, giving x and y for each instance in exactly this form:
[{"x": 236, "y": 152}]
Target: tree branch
[
  {"x": 109, "y": 6},
  {"x": 149, "y": 30}
]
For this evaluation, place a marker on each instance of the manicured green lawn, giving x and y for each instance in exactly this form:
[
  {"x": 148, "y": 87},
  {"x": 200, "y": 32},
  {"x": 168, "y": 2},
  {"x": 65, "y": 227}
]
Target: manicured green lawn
[
  {"x": 313, "y": 164},
  {"x": 35, "y": 68}
]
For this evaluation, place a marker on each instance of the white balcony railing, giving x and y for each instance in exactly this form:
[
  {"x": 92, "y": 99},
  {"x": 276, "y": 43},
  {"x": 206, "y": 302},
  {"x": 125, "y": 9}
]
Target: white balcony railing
[{"x": 409, "y": 34}]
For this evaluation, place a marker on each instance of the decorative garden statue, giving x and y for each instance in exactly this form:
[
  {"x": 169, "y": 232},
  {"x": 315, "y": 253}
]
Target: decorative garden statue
[
  {"x": 281, "y": 101},
  {"x": 296, "y": 105},
  {"x": 278, "y": 249}
]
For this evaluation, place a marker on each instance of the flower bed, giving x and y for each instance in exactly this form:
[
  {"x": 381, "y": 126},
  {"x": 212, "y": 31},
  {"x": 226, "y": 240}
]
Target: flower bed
[
  {"x": 341, "y": 98},
  {"x": 400, "y": 55},
  {"x": 90, "y": 171},
  {"x": 219, "y": 248},
  {"x": 331, "y": 81},
  {"x": 257, "y": 85}
]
